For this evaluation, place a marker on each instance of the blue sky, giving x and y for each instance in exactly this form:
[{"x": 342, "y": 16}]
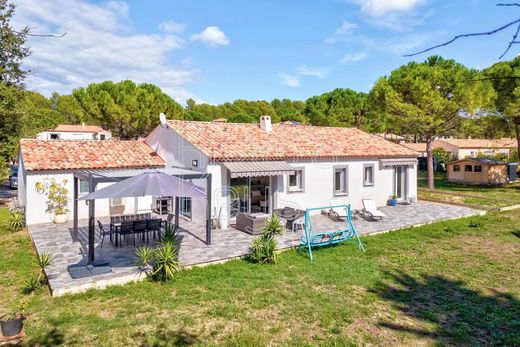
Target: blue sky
[{"x": 218, "y": 51}]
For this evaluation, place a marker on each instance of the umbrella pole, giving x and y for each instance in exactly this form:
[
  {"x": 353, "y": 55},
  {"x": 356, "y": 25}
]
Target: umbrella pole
[
  {"x": 177, "y": 211},
  {"x": 91, "y": 224}
]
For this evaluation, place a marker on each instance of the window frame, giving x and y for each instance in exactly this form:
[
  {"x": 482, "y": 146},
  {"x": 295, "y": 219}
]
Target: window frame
[
  {"x": 298, "y": 188},
  {"x": 456, "y": 167},
  {"x": 369, "y": 184},
  {"x": 334, "y": 170},
  {"x": 475, "y": 168},
  {"x": 83, "y": 184},
  {"x": 112, "y": 204},
  {"x": 468, "y": 166}
]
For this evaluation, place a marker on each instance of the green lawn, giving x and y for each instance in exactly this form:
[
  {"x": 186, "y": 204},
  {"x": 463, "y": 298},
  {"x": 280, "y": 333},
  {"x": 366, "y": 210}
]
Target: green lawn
[
  {"x": 454, "y": 282},
  {"x": 470, "y": 194}
]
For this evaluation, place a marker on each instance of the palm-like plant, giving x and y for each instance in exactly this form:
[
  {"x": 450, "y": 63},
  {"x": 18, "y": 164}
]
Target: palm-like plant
[
  {"x": 16, "y": 221},
  {"x": 165, "y": 261},
  {"x": 45, "y": 260},
  {"x": 263, "y": 247},
  {"x": 170, "y": 234},
  {"x": 144, "y": 257}
]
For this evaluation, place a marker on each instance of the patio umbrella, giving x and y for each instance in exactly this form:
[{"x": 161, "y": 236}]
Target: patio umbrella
[{"x": 151, "y": 183}]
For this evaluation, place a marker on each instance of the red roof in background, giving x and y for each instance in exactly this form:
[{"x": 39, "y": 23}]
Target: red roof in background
[
  {"x": 239, "y": 141},
  {"x": 74, "y": 154},
  {"x": 79, "y": 128}
]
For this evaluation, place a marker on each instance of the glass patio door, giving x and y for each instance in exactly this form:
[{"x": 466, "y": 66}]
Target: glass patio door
[
  {"x": 400, "y": 182},
  {"x": 239, "y": 196}
]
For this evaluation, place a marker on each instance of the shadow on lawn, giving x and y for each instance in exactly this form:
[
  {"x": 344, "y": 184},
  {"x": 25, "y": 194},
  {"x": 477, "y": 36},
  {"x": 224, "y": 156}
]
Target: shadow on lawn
[
  {"x": 458, "y": 314},
  {"x": 166, "y": 337},
  {"x": 53, "y": 337}
]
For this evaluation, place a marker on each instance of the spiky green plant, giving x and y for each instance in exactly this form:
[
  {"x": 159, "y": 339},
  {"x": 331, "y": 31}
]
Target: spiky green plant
[
  {"x": 170, "y": 233},
  {"x": 144, "y": 257},
  {"x": 165, "y": 261},
  {"x": 263, "y": 248},
  {"x": 16, "y": 221},
  {"x": 31, "y": 284},
  {"x": 45, "y": 260}
]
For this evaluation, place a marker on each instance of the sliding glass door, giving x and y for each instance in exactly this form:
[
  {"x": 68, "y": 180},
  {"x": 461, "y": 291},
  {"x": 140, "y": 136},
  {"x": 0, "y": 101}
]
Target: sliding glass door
[{"x": 239, "y": 196}]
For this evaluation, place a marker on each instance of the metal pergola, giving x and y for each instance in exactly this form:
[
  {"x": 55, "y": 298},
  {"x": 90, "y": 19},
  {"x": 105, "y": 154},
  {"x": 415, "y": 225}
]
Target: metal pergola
[{"x": 94, "y": 177}]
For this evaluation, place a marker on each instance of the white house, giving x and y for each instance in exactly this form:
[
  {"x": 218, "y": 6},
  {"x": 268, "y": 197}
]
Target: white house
[
  {"x": 259, "y": 168},
  {"x": 471, "y": 148},
  {"x": 75, "y": 132},
  {"x": 253, "y": 167}
]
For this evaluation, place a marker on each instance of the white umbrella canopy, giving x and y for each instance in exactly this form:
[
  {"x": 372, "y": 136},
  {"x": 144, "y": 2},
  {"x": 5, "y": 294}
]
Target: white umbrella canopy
[{"x": 151, "y": 183}]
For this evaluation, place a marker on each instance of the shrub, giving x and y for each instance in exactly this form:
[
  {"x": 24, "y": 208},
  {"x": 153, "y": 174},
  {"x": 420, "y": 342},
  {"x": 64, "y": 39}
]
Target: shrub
[
  {"x": 31, "y": 284},
  {"x": 45, "y": 260},
  {"x": 57, "y": 195},
  {"x": 165, "y": 261},
  {"x": 263, "y": 248},
  {"x": 16, "y": 221},
  {"x": 144, "y": 257}
]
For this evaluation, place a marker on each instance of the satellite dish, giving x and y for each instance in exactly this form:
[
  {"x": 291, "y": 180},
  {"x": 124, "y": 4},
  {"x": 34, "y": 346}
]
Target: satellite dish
[{"x": 162, "y": 118}]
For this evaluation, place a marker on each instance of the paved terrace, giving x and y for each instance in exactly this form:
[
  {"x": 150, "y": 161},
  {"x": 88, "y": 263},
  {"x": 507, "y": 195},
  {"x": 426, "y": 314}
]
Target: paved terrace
[{"x": 227, "y": 244}]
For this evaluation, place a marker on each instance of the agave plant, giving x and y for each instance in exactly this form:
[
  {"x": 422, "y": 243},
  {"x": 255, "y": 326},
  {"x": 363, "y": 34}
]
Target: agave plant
[
  {"x": 31, "y": 284},
  {"x": 45, "y": 260},
  {"x": 165, "y": 261},
  {"x": 16, "y": 221}
]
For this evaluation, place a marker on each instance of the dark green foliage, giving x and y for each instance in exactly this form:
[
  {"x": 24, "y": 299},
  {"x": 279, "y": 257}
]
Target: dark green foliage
[
  {"x": 263, "y": 247},
  {"x": 165, "y": 261},
  {"x": 31, "y": 284},
  {"x": 443, "y": 156}
]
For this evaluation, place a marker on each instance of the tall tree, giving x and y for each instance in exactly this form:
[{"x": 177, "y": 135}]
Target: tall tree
[
  {"x": 505, "y": 77},
  {"x": 428, "y": 99}
]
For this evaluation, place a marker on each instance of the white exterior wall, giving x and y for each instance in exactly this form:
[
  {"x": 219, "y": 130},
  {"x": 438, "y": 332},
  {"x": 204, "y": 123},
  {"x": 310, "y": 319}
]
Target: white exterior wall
[
  {"x": 37, "y": 203},
  {"x": 319, "y": 189},
  {"x": 78, "y": 135}
]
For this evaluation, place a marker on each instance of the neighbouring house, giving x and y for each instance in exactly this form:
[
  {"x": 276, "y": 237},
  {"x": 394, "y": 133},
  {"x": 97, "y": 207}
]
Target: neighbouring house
[
  {"x": 47, "y": 159},
  {"x": 478, "y": 171},
  {"x": 393, "y": 137},
  {"x": 420, "y": 148},
  {"x": 471, "y": 148},
  {"x": 253, "y": 167},
  {"x": 262, "y": 167},
  {"x": 75, "y": 132}
]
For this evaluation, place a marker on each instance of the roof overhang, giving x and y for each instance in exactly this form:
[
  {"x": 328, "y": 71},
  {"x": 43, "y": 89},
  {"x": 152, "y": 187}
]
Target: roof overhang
[
  {"x": 257, "y": 168},
  {"x": 398, "y": 162}
]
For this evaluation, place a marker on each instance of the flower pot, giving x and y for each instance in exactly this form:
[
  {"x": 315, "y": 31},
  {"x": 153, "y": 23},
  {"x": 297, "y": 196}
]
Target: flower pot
[
  {"x": 392, "y": 202},
  {"x": 11, "y": 327},
  {"x": 60, "y": 218}
]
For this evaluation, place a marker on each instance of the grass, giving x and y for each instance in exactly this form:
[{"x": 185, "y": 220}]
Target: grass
[
  {"x": 487, "y": 196},
  {"x": 455, "y": 282}
]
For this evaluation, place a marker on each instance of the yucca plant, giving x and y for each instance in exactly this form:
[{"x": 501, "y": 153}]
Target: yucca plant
[
  {"x": 31, "y": 284},
  {"x": 170, "y": 233},
  {"x": 15, "y": 222},
  {"x": 45, "y": 260},
  {"x": 165, "y": 261},
  {"x": 144, "y": 257},
  {"x": 263, "y": 248}
]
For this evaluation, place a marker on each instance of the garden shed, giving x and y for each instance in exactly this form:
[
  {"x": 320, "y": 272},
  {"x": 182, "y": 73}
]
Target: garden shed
[{"x": 478, "y": 171}]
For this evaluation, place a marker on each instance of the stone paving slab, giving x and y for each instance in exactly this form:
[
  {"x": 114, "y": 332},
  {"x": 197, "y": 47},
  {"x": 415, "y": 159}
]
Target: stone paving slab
[{"x": 227, "y": 244}]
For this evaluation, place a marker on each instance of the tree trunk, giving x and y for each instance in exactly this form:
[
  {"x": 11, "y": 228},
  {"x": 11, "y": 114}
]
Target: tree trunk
[
  {"x": 517, "y": 129},
  {"x": 429, "y": 164}
]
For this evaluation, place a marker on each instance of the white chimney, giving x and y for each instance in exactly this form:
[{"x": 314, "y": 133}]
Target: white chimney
[
  {"x": 83, "y": 125},
  {"x": 265, "y": 123}
]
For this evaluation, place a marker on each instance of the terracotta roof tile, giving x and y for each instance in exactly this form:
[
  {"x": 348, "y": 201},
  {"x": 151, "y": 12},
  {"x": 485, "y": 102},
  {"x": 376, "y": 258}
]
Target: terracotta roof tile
[
  {"x": 79, "y": 128},
  {"x": 418, "y": 147},
  {"x": 74, "y": 154},
  {"x": 481, "y": 143},
  {"x": 238, "y": 141}
]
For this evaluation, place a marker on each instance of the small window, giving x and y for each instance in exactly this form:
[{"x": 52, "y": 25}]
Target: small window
[
  {"x": 83, "y": 187},
  {"x": 456, "y": 168},
  {"x": 477, "y": 168},
  {"x": 296, "y": 181},
  {"x": 55, "y": 136},
  {"x": 468, "y": 168},
  {"x": 102, "y": 136},
  {"x": 340, "y": 180},
  {"x": 368, "y": 175},
  {"x": 472, "y": 154},
  {"x": 116, "y": 201},
  {"x": 185, "y": 207}
]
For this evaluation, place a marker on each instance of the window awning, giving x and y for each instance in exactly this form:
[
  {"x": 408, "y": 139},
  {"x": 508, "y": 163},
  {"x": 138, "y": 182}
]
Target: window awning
[
  {"x": 398, "y": 162},
  {"x": 257, "y": 168}
]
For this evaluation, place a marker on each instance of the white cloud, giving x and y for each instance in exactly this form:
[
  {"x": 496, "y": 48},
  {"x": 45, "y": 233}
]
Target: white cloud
[
  {"x": 346, "y": 28},
  {"x": 353, "y": 58},
  {"x": 318, "y": 72},
  {"x": 378, "y": 8},
  {"x": 212, "y": 36},
  {"x": 171, "y": 26},
  {"x": 99, "y": 45},
  {"x": 289, "y": 80}
]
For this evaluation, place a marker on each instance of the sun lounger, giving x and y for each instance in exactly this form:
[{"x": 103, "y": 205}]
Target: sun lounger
[
  {"x": 337, "y": 210},
  {"x": 371, "y": 211}
]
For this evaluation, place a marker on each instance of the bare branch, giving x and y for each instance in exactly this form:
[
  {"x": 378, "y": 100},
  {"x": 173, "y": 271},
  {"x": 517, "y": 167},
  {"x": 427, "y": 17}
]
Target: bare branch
[
  {"x": 41, "y": 35},
  {"x": 510, "y": 43},
  {"x": 508, "y": 4},
  {"x": 466, "y": 35}
]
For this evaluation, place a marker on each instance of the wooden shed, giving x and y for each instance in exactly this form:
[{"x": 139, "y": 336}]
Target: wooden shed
[{"x": 477, "y": 171}]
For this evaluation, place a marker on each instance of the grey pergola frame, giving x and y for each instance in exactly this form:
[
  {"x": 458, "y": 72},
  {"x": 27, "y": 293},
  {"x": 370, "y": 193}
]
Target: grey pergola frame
[{"x": 93, "y": 179}]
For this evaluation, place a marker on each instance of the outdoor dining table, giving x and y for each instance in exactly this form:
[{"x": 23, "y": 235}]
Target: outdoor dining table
[{"x": 116, "y": 226}]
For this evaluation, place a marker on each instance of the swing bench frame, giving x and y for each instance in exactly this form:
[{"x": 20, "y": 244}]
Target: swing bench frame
[{"x": 310, "y": 239}]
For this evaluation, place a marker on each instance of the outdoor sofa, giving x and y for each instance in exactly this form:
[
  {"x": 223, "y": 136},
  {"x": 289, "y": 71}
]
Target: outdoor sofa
[{"x": 251, "y": 223}]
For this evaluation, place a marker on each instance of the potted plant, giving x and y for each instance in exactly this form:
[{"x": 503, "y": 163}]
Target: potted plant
[
  {"x": 12, "y": 323},
  {"x": 392, "y": 200},
  {"x": 57, "y": 198}
]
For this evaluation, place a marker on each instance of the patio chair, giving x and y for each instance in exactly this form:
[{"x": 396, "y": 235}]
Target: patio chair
[
  {"x": 371, "y": 211},
  {"x": 337, "y": 213},
  {"x": 140, "y": 229},
  {"x": 104, "y": 232},
  {"x": 298, "y": 223},
  {"x": 154, "y": 227},
  {"x": 126, "y": 228}
]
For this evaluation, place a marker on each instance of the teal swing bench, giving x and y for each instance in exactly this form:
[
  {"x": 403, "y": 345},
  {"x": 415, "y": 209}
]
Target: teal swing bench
[{"x": 311, "y": 239}]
